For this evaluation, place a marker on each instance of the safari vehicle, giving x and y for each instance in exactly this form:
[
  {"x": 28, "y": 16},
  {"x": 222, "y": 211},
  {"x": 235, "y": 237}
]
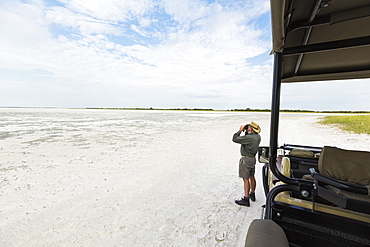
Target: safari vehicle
[{"x": 315, "y": 196}]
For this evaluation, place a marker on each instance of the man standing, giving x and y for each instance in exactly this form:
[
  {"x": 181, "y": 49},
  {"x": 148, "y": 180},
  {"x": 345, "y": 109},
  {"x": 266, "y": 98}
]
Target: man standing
[{"x": 248, "y": 149}]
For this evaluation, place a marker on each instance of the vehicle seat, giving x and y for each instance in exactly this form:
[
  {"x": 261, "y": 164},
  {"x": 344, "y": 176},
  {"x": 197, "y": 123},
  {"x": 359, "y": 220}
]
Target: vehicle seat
[
  {"x": 344, "y": 178},
  {"x": 265, "y": 233},
  {"x": 301, "y": 161},
  {"x": 285, "y": 166}
]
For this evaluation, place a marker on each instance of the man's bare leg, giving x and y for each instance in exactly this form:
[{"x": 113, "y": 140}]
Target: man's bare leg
[
  {"x": 253, "y": 184},
  {"x": 246, "y": 187},
  {"x": 252, "y": 195}
]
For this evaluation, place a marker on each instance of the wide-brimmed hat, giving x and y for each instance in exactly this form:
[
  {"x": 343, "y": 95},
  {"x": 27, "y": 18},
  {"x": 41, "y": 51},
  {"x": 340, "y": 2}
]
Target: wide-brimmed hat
[{"x": 255, "y": 127}]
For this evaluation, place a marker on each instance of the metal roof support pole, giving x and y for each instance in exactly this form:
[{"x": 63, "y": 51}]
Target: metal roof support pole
[
  {"x": 274, "y": 124},
  {"x": 275, "y": 108}
]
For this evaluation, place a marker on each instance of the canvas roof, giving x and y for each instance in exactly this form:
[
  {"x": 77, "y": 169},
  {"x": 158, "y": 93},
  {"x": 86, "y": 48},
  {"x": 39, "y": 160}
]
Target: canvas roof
[{"x": 322, "y": 40}]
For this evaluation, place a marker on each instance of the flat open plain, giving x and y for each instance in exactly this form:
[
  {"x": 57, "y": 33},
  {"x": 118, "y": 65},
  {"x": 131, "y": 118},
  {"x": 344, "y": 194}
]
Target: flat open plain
[{"x": 134, "y": 178}]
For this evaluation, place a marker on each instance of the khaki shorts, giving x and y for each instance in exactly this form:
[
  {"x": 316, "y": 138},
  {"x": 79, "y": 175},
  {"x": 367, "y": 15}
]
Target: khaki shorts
[{"x": 247, "y": 167}]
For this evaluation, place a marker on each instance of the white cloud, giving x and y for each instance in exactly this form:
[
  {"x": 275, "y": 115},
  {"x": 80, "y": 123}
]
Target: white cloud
[
  {"x": 183, "y": 53},
  {"x": 111, "y": 10},
  {"x": 184, "y": 11},
  {"x": 24, "y": 34},
  {"x": 139, "y": 31},
  {"x": 329, "y": 95}
]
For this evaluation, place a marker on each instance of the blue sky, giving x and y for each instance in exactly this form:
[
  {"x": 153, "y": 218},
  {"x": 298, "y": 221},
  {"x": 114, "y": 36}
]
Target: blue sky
[{"x": 144, "y": 53}]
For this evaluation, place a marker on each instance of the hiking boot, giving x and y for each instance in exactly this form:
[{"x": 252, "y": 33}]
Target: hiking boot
[
  {"x": 252, "y": 195},
  {"x": 243, "y": 202}
]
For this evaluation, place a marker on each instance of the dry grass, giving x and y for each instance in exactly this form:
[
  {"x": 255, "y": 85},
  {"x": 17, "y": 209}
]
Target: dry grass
[{"x": 359, "y": 124}]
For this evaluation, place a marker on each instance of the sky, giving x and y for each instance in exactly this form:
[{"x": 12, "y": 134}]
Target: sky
[{"x": 150, "y": 53}]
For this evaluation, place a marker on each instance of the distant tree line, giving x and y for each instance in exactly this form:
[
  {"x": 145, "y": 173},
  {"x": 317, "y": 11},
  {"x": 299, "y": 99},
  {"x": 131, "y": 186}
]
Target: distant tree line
[
  {"x": 289, "y": 110},
  {"x": 236, "y": 110},
  {"x": 198, "y": 109},
  {"x": 151, "y": 108},
  {"x": 249, "y": 109}
]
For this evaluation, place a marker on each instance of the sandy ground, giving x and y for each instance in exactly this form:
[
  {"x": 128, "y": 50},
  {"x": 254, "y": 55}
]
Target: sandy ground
[{"x": 174, "y": 187}]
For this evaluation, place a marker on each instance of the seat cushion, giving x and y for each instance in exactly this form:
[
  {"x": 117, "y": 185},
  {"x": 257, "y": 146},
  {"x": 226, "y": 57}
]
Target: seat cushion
[
  {"x": 265, "y": 233},
  {"x": 350, "y": 195},
  {"x": 302, "y": 153},
  {"x": 345, "y": 165}
]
